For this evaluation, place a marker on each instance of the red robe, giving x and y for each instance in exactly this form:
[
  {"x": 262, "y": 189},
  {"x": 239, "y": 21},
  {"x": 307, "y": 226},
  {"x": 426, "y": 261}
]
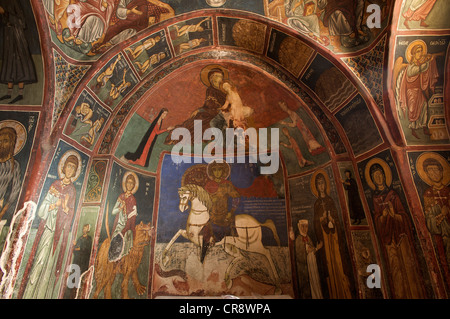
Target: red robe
[
  {"x": 440, "y": 198},
  {"x": 130, "y": 205},
  {"x": 398, "y": 231},
  {"x": 412, "y": 90},
  {"x": 63, "y": 220},
  {"x": 143, "y": 160},
  {"x": 421, "y": 12}
]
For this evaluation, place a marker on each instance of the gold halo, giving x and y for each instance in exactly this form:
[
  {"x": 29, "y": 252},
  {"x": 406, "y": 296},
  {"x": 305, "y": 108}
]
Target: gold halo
[
  {"x": 224, "y": 163},
  {"x": 205, "y": 71},
  {"x": 62, "y": 161},
  {"x": 408, "y": 53},
  {"x": 136, "y": 181},
  {"x": 423, "y": 175},
  {"x": 313, "y": 182},
  {"x": 386, "y": 169},
  {"x": 21, "y": 133}
]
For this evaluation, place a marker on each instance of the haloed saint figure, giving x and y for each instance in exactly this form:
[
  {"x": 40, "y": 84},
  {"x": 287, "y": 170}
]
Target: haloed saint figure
[
  {"x": 56, "y": 213},
  {"x": 17, "y": 64},
  {"x": 10, "y": 174},
  {"x": 125, "y": 211},
  {"x": 394, "y": 231},
  {"x": 327, "y": 227}
]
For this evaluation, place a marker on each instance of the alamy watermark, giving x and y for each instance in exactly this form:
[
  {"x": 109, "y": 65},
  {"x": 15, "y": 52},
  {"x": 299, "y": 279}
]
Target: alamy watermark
[
  {"x": 241, "y": 145},
  {"x": 73, "y": 279},
  {"x": 74, "y": 15},
  {"x": 374, "y": 19},
  {"x": 374, "y": 279}
]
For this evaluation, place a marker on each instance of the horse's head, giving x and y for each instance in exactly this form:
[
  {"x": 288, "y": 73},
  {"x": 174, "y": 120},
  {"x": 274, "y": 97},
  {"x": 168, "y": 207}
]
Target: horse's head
[
  {"x": 192, "y": 192},
  {"x": 185, "y": 196}
]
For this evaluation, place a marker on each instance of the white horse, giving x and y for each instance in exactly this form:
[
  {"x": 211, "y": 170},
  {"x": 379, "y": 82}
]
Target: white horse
[{"x": 247, "y": 227}]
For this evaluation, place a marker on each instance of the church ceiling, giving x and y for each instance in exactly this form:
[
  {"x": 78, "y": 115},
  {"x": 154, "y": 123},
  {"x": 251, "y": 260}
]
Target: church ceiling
[{"x": 354, "y": 88}]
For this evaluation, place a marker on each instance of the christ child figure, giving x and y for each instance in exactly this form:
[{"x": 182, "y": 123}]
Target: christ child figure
[{"x": 234, "y": 111}]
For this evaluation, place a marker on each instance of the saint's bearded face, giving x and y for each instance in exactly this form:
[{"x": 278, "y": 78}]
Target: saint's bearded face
[{"x": 6, "y": 146}]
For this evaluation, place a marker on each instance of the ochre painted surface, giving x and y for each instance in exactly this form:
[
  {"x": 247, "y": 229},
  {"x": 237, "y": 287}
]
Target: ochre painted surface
[{"x": 87, "y": 180}]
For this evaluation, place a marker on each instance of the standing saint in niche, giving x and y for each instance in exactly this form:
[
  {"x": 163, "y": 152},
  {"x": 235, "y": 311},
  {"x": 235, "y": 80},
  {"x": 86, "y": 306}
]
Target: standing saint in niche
[
  {"x": 305, "y": 256},
  {"x": 326, "y": 223},
  {"x": 125, "y": 210},
  {"x": 434, "y": 170},
  {"x": 56, "y": 213},
  {"x": 394, "y": 231},
  {"x": 17, "y": 64},
  {"x": 10, "y": 172},
  {"x": 354, "y": 201}
]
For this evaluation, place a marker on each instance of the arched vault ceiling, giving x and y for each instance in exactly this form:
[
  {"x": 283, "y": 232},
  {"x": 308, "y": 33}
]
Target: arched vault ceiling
[
  {"x": 268, "y": 62},
  {"x": 366, "y": 105},
  {"x": 82, "y": 43}
]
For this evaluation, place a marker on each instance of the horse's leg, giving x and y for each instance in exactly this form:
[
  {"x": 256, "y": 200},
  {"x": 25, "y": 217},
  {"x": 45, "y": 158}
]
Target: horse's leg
[{"x": 165, "y": 258}]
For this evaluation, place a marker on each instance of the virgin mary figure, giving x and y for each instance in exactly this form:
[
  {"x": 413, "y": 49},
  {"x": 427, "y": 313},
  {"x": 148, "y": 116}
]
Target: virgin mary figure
[{"x": 212, "y": 76}]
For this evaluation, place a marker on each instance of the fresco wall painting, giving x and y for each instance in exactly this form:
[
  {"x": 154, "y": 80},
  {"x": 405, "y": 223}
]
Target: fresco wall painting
[
  {"x": 49, "y": 241},
  {"x": 20, "y": 47},
  {"x": 243, "y": 33},
  {"x": 423, "y": 15},
  {"x": 84, "y": 30},
  {"x": 362, "y": 138},
  {"x": 340, "y": 26},
  {"x": 420, "y": 64},
  {"x": 292, "y": 53},
  {"x": 17, "y": 131},
  {"x": 206, "y": 259},
  {"x": 318, "y": 76},
  {"x": 126, "y": 216},
  {"x": 86, "y": 121},
  {"x": 322, "y": 257},
  {"x": 114, "y": 81},
  {"x": 385, "y": 196},
  {"x": 124, "y": 242},
  {"x": 191, "y": 34},
  {"x": 149, "y": 53},
  {"x": 430, "y": 171},
  {"x": 354, "y": 202}
]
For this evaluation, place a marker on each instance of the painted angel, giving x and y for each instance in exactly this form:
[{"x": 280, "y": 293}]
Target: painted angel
[{"x": 414, "y": 83}]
